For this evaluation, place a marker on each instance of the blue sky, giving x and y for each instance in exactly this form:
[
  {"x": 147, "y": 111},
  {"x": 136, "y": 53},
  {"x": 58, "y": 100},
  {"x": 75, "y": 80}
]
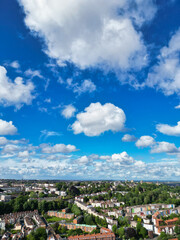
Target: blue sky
[{"x": 90, "y": 90}]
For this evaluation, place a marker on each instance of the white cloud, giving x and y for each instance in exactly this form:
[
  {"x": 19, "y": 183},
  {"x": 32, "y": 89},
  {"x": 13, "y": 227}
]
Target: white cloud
[
  {"x": 14, "y": 93},
  {"x": 83, "y": 160},
  {"x": 93, "y": 33},
  {"x": 122, "y": 159},
  {"x": 58, "y": 148},
  {"x": 45, "y": 133},
  {"x": 3, "y": 141},
  {"x": 145, "y": 141},
  {"x": 164, "y": 147},
  {"x": 7, "y": 128},
  {"x": 15, "y": 64},
  {"x": 177, "y": 107},
  {"x": 86, "y": 86},
  {"x": 128, "y": 138},
  {"x": 43, "y": 109},
  {"x": 10, "y": 148},
  {"x": 165, "y": 76},
  {"x": 157, "y": 147},
  {"x": 140, "y": 164},
  {"x": 97, "y": 119},
  {"x": 47, "y": 100},
  {"x": 68, "y": 111},
  {"x": 24, "y": 154},
  {"x": 169, "y": 130},
  {"x": 33, "y": 73},
  {"x": 71, "y": 166}
]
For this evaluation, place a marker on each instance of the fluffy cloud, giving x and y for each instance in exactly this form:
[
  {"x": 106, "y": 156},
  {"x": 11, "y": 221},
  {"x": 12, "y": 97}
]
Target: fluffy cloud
[
  {"x": 7, "y": 128},
  {"x": 42, "y": 168},
  {"x": 24, "y": 154},
  {"x": 68, "y": 111},
  {"x": 157, "y": 147},
  {"x": 164, "y": 147},
  {"x": 94, "y": 33},
  {"x": 97, "y": 119},
  {"x": 145, "y": 141},
  {"x": 3, "y": 141},
  {"x": 14, "y": 93},
  {"x": 58, "y": 148},
  {"x": 122, "y": 159},
  {"x": 10, "y": 148},
  {"x": 169, "y": 130},
  {"x": 128, "y": 138},
  {"x": 83, "y": 160},
  {"x": 165, "y": 76},
  {"x": 140, "y": 164},
  {"x": 86, "y": 86},
  {"x": 51, "y": 165}
]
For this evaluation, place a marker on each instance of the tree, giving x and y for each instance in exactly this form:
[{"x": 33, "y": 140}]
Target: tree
[
  {"x": 143, "y": 232},
  {"x": 41, "y": 233},
  {"x": 114, "y": 229},
  {"x": 138, "y": 228},
  {"x": 89, "y": 219},
  {"x": 163, "y": 236},
  {"x": 73, "y": 191},
  {"x": 55, "y": 226},
  {"x": 76, "y": 210},
  {"x": 86, "y": 199},
  {"x": 121, "y": 232},
  {"x": 130, "y": 232},
  {"x": 33, "y": 195},
  {"x": 177, "y": 229}
]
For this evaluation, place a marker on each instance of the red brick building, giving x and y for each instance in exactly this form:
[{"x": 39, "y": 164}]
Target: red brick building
[{"x": 98, "y": 236}]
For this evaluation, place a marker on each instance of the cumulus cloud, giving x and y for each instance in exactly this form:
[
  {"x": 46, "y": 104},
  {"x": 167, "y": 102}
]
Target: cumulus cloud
[
  {"x": 94, "y": 33},
  {"x": 68, "y": 111},
  {"x": 140, "y": 164},
  {"x": 128, "y": 138},
  {"x": 122, "y": 159},
  {"x": 7, "y": 128},
  {"x": 166, "y": 147},
  {"x": 97, "y": 119},
  {"x": 145, "y": 141},
  {"x": 3, "y": 141},
  {"x": 83, "y": 160},
  {"x": 10, "y": 148},
  {"x": 169, "y": 130},
  {"x": 157, "y": 147},
  {"x": 24, "y": 154},
  {"x": 52, "y": 164},
  {"x": 14, "y": 93},
  {"x": 165, "y": 75},
  {"x": 58, "y": 148}
]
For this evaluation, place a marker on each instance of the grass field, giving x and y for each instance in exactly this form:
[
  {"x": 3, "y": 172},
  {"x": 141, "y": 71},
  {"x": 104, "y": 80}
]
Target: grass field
[{"x": 50, "y": 219}]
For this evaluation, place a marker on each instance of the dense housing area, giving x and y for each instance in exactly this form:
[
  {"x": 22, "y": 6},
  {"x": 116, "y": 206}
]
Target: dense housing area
[{"x": 102, "y": 210}]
